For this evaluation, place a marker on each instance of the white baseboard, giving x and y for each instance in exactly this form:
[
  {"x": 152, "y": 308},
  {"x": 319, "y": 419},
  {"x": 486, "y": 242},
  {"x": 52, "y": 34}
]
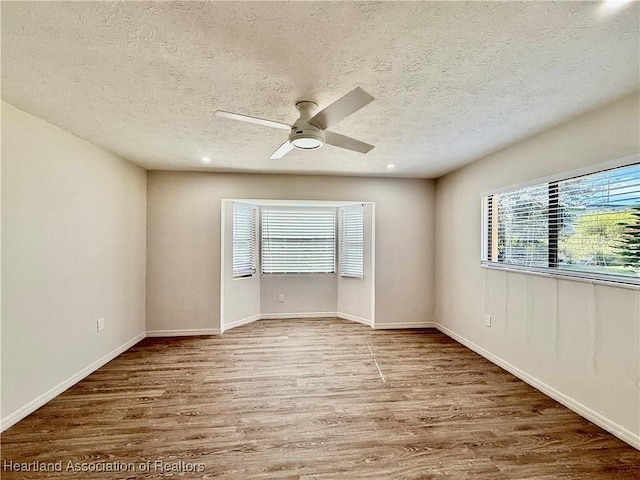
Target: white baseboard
[
  {"x": 239, "y": 323},
  {"x": 35, "y": 404},
  {"x": 619, "y": 431},
  {"x": 354, "y": 318},
  {"x": 388, "y": 326},
  {"x": 183, "y": 333},
  {"x": 284, "y": 316}
]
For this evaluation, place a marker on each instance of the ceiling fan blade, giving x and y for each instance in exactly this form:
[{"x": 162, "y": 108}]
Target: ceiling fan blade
[
  {"x": 259, "y": 121},
  {"x": 282, "y": 150},
  {"x": 341, "y": 109},
  {"x": 349, "y": 143}
]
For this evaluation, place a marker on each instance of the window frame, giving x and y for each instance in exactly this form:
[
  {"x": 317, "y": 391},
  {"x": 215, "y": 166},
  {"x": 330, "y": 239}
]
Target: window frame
[{"x": 553, "y": 271}]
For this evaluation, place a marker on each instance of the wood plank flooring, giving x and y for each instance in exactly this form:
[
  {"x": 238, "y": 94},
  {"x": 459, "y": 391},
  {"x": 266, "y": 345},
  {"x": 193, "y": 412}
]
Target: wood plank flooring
[{"x": 311, "y": 399}]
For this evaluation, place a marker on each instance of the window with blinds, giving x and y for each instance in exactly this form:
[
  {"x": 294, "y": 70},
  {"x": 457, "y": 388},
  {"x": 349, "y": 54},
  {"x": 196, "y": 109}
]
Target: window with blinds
[
  {"x": 586, "y": 226},
  {"x": 298, "y": 241},
  {"x": 244, "y": 240},
  {"x": 352, "y": 241}
]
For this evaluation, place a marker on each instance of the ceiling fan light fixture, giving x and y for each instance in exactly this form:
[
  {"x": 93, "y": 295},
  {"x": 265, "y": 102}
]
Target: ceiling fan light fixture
[
  {"x": 307, "y": 143},
  {"x": 306, "y": 139}
]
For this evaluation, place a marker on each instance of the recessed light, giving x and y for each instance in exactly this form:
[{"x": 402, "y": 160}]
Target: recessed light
[
  {"x": 206, "y": 160},
  {"x": 609, "y": 7},
  {"x": 390, "y": 166}
]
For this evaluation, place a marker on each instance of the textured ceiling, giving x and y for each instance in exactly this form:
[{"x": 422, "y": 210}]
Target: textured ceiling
[{"x": 452, "y": 81}]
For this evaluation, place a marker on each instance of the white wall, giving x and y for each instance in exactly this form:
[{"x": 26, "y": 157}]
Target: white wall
[
  {"x": 183, "y": 231},
  {"x": 579, "y": 341},
  {"x": 73, "y": 251},
  {"x": 354, "y": 294},
  {"x": 240, "y": 300}
]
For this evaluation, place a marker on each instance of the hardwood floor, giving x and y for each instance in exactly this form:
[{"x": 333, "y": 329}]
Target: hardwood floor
[{"x": 311, "y": 399}]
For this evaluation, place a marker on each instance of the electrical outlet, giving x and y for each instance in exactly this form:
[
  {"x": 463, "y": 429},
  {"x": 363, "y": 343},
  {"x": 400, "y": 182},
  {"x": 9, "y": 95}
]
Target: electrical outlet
[
  {"x": 487, "y": 320},
  {"x": 281, "y": 297},
  {"x": 100, "y": 324}
]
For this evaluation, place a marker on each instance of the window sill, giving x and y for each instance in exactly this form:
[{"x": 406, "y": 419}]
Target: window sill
[
  {"x": 294, "y": 274},
  {"x": 620, "y": 282},
  {"x": 244, "y": 277}
]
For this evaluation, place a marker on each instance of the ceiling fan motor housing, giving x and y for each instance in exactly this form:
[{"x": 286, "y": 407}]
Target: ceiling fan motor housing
[{"x": 305, "y": 136}]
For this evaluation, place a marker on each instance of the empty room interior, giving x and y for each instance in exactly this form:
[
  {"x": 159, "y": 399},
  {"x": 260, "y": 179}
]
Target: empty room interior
[{"x": 320, "y": 240}]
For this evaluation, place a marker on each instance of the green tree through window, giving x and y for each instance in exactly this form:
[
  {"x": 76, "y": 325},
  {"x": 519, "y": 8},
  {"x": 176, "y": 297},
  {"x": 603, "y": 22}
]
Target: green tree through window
[{"x": 629, "y": 249}]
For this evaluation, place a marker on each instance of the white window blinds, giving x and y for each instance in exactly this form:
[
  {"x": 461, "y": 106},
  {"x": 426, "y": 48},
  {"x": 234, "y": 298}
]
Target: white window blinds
[
  {"x": 523, "y": 226},
  {"x": 300, "y": 241},
  {"x": 588, "y": 226},
  {"x": 244, "y": 240},
  {"x": 352, "y": 241}
]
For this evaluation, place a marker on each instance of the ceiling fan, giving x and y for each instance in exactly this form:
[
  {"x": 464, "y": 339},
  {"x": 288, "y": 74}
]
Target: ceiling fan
[{"x": 309, "y": 131}]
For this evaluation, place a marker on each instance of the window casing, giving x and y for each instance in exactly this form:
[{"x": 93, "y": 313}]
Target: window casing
[
  {"x": 244, "y": 240},
  {"x": 352, "y": 241},
  {"x": 298, "y": 241},
  {"x": 586, "y": 226}
]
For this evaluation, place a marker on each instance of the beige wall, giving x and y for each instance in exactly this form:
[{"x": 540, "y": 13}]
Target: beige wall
[
  {"x": 73, "y": 251},
  {"x": 302, "y": 294},
  {"x": 183, "y": 233},
  {"x": 578, "y": 339}
]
